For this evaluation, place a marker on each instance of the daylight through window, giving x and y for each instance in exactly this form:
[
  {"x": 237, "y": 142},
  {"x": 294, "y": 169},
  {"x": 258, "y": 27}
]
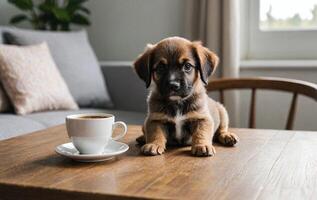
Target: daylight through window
[{"x": 299, "y": 15}]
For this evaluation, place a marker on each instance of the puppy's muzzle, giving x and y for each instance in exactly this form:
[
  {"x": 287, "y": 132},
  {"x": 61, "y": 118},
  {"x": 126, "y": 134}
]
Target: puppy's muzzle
[{"x": 174, "y": 86}]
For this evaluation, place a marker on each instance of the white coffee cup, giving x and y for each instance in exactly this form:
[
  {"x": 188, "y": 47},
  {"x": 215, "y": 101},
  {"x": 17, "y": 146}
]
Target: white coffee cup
[{"x": 90, "y": 133}]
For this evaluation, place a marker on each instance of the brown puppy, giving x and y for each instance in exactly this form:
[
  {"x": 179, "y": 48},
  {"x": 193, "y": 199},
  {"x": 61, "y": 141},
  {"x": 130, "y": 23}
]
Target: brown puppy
[{"x": 179, "y": 109}]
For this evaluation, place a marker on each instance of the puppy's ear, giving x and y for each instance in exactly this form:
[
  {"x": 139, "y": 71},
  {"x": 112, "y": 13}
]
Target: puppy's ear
[
  {"x": 206, "y": 60},
  {"x": 143, "y": 66}
]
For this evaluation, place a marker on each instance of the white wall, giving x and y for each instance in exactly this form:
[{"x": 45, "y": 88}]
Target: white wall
[
  {"x": 6, "y": 11},
  {"x": 121, "y": 28}
]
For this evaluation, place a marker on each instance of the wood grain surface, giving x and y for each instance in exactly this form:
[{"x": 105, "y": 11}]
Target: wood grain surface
[{"x": 266, "y": 164}]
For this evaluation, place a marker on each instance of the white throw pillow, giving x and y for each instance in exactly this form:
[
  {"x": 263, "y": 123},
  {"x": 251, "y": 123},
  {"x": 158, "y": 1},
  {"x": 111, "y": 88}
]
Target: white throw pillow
[
  {"x": 75, "y": 60},
  {"x": 32, "y": 80}
]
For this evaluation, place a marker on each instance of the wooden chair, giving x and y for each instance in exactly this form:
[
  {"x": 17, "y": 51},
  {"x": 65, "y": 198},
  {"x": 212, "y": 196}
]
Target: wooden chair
[{"x": 289, "y": 85}]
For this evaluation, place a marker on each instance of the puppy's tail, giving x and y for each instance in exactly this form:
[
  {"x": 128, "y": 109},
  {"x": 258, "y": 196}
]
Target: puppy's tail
[
  {"x": 224, "y": 118},
  {"x": 223, "y": 135}
]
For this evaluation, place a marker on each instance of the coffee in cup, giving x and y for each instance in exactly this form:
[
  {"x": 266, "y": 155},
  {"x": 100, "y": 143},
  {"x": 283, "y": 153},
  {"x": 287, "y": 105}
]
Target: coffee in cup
[{"x": 90, "y": 133}]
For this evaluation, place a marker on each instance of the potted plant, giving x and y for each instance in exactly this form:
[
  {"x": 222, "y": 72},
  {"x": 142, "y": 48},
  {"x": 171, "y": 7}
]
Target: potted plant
[{"x": 52, "y": 15}]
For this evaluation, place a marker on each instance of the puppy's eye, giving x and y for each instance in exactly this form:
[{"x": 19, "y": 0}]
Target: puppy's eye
[{"x": 188, "y": 67}]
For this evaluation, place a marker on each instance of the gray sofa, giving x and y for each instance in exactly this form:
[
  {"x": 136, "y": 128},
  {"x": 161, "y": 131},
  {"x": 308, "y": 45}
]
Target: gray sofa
[{"x": 127, "y": 92}]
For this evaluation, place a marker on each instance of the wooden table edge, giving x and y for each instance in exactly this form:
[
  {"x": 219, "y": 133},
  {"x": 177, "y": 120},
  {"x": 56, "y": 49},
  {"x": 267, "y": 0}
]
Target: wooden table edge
[{"x": 10, "y": 191}]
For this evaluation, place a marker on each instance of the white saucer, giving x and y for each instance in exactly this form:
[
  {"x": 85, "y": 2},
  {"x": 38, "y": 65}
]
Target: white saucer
[{"x": 113, "y": 148}]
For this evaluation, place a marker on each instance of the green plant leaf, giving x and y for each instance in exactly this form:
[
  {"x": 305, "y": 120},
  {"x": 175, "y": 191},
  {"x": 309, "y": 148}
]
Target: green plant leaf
[
  {"x": 48, "y": 15},
  {"x": 80, "y": 19},
  {"x": 74, "y": 5},
  {"x": 46, "y": 8},
  {"x": 85, "y": 10},
  {"x": 76, "y": 2},
  {"x": 18, "y": 18},
  {"x": 61, "y": 14},
  {"x": 22, "y": 4}
]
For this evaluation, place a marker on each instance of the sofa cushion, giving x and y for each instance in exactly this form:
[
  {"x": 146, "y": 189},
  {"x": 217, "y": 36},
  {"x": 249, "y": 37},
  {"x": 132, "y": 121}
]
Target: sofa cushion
[
  {"x": 58, "y": 117},
  {"x": 13, "y": 125},
  {"x": 74, "y": 58},
  {"x": 31, "y": 79},
  {"x": 119, "y": 92}
]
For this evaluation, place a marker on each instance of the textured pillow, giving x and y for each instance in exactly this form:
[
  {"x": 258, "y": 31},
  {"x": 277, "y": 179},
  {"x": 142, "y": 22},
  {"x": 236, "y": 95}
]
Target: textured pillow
[
  {"x": 75, "y": 59},
  {"x": 31, "y": 79},
  {"x": 4, "y": 101}
]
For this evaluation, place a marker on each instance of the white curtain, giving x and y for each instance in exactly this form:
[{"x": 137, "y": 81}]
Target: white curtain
[{"x": 216, "y": 24}]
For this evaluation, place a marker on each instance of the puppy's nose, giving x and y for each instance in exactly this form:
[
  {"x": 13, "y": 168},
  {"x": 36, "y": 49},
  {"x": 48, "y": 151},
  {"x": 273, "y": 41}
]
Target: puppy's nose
[{"x": 174, "y": 85}]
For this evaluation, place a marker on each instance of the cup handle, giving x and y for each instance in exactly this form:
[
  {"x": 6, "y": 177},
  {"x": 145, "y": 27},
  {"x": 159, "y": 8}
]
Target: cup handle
[{"x": 125, "y": 128}]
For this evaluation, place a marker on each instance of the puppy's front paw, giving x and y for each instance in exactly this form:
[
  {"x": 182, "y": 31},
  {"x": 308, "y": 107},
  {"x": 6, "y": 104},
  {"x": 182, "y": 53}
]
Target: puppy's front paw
[
  {"x": 152, "y": 149},
  {"x": 228, "y": 139},
  {"x": 203, "y": 150}
]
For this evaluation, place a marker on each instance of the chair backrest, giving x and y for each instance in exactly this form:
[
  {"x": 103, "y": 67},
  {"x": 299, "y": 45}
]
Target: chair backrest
[{"x": 289, "y": 85}]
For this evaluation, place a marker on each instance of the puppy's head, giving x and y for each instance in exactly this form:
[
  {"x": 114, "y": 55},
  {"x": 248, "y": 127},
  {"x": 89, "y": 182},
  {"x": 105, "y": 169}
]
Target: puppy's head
[{"x": 175, "y": 65}]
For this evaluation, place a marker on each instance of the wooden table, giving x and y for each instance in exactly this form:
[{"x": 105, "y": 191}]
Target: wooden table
[{"x": 267, "y": 164}]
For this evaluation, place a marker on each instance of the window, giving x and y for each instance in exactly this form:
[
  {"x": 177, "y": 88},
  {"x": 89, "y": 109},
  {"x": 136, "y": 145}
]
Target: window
[
  {"x": 279, "y": 29},
  {"x": 275, "y": 15}
]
